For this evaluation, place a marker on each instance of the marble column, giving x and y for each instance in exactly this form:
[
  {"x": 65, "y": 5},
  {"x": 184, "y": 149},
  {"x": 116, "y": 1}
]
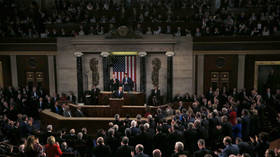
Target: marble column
[
  {"x": 79, "y": 76},
  {"x": 106, "y": 70},
  {"x": 241, "y": 71},
  {"x": 169, "y": 90},
  {"x": 51, "y": 74},
  {"x": 14, "y": 70},
  {"x": 142, "y": 71},
  {"x": 200, "y": 74}
]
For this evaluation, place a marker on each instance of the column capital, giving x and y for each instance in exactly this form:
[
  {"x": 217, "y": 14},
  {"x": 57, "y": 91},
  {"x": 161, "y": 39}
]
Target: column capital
[
  {"x": 78, "y": 54},
  {"x": 169, "y": 53},
  {"x": 104, "y": 54},
  {"x": 142, "y": 54}
]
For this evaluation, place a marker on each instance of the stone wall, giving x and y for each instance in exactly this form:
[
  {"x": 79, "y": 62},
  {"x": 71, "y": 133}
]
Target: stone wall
[
  {"x": 66, "y": 66},
  {"x": 183, "y": 67}
]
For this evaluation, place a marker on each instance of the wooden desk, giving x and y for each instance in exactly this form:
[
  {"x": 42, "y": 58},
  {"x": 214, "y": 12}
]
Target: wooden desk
[
  {"x": 130, "y": 98},
  {"x": 59, "y": 122},
  {"x": 108, "y": 111}
]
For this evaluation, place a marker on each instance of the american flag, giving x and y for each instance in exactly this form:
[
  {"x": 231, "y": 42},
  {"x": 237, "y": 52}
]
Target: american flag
[{"x": 125, "y": 64}]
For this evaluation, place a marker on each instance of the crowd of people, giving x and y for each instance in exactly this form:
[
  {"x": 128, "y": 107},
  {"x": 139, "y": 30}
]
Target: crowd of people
[
  {"x": 179, "y": 18},
  {"x": 220, "y": 123}
]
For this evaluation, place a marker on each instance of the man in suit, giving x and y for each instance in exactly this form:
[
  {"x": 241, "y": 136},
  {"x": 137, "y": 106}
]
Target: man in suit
[
  {"x": 101, "y": 150},
  {"x": 94, "y": 94},
  {"x": 210, "y": 94},
  {"x": 244, "y": 147},
  {"x": 127, "y": 83},
  {"x": 139, "y": 151},
  {"x": 268, "y": 97},
  {"x": 34, "y": 94},
  {"x": 229, "y": 148},
  {"x": 179, "y": 150},
  {"x": 118, "y": 93},
  {"x": 41, "y": 105},
  {"x": 157, "y": 153},
  {"x": 114, "y": 83},
  {"x": 72, "y": 98},
  {"x": 155, "y": 95},
  {"x": 202, "y": 149},
  {"x": 124, "y": 150},
  {"x": 66, "y": 111},
  {"x": 78, "y": 112},
  {"x": 56, "y": 108}
]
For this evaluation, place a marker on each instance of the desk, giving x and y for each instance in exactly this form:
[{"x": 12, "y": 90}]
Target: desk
[{"x": 130, "y": 98}]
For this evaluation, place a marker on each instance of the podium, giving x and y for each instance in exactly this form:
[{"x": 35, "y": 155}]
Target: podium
[
  {"x": 116, "y": 104},
  {"x": 130, "y": 98}
]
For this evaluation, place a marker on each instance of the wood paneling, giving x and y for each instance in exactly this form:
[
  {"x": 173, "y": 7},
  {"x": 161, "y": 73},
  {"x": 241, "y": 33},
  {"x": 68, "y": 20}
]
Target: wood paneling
[
  {"x": 211, "y": 64},
  {"x": 6, "y": 67},
  {"x": 32, "y": 64},
  {"x": 250, "y": 67}
]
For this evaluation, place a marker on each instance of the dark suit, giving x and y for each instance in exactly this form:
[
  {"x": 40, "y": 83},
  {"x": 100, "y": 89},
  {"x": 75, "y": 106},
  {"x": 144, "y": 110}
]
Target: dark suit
[
  {"x": 229, "y": 149},
  {"x": 146, "y": 140},
  {"x": 124, "y": 151},
  {"x": 72, "y": 98},
  {"x": 141, "y": 155},
  {"x": 118, "y": 94},
  {"x": 179, "y": 154},
  {"x": 41, "y": 105},
  {"x": 56, "y": 109},
  {"x": 127, "y": 84},
  {"x": 114, "y": 85},
  {"x": 202, "y": 152},
  {"x": 102, "y": 151},
  {"x": 245, "y": 147},
  {"x": 79, "y": 113},
  {"x": 155, "y": 96},
  {"x": 94, "y": 95}
]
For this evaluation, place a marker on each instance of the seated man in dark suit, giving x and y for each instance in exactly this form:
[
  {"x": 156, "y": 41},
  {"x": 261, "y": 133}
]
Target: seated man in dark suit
[
  {"x": 56, "y": 108},
  {"x": 78, "y": 112},
  {"x": 118, "y": 93},
  {"x": 127, "y": 83}
]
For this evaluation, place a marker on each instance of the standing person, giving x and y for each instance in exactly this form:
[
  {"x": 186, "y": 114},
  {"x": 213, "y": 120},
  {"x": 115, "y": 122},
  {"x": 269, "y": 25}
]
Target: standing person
[
  {"x": 52, "y": 149},
  {"x": 155, "y": 95},
  {"x": 114, "y": 83},
  {"x": 72, "y": 98},
  {"x": 124, "y": 150},
  {"x": 229, "y": 149},
  {"x": 118, "y": 93},
  {"x": 94, "y": 94},
  {"x": 179, "y": 150},
  {"x": 127, "y": 83},
  {"x": 101, "y": 150},
  {"x": 32, "y": 147},
  {"x": 139, "y": 151},
  {"x": 202, "y": 149}
]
